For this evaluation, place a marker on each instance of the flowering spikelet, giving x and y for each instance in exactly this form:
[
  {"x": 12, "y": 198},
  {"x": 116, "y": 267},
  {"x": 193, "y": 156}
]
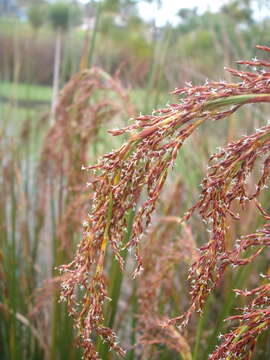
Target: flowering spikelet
[
  {"x": 140, "y": 167},
  {"x": 239, "y": 344},
  {"x": 225, "y": 183}
]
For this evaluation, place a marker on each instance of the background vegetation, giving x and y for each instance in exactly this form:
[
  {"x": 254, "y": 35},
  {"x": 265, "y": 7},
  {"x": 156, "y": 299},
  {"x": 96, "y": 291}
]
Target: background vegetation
[{"x": 112, "y": 64}]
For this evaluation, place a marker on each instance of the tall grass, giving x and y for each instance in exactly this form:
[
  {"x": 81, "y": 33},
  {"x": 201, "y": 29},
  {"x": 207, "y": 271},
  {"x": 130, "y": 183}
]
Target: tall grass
[
  {"x": 43, "y": 197},
  {"x": 140, "y": 168},
  {"x": 135, "y": 202}
]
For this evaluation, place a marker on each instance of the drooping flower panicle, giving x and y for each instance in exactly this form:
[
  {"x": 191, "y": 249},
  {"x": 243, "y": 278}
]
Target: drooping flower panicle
[{"x": 139, "y": 168}]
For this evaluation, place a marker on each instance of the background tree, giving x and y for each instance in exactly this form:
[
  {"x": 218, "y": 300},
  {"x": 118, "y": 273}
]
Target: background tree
[
  {"x": 239, "y": 10},
  {"x": 62, "y": 15},
  {"x": 36, "y": 16}
]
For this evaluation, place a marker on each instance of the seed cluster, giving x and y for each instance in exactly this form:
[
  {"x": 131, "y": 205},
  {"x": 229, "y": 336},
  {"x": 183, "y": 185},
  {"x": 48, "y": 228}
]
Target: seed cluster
[
  {"x": 239, "y": 344},
  {"x": 225, "y": 185},
  {"x": 138, "y": 169}
]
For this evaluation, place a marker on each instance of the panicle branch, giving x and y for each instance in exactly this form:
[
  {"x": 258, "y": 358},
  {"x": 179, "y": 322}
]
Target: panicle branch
[
  {"x": 239, "y": 343},
  {"x": 140, "y": 167}
]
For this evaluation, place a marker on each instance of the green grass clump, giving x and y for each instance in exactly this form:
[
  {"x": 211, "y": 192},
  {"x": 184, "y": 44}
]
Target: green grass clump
[{"x": 21, "y": 91}]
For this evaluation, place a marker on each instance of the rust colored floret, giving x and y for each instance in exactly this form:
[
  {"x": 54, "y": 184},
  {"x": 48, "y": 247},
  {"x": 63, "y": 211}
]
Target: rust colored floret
[{"x": 140, "y": 166}]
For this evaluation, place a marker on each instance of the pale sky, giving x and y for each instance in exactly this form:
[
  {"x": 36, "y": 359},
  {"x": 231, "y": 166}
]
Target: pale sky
[{"x": 171, "y": 7}]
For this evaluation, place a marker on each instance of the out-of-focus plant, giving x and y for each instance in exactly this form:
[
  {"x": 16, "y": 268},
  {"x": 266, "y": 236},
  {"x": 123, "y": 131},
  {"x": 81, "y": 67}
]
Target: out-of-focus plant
[
  {"x": 163, "y": 249},
  {"x": 140, "y": 167},
  {"x": 37, "y": 16},
  {"x": 42, "y": 200},
  {"x": 21, "y": 222},
  {"x": 239, "y": 10},
  {"x": 89, "y": 100},
  {"x": 61, "y": 15},
  {"x": 86, "y": 103}
]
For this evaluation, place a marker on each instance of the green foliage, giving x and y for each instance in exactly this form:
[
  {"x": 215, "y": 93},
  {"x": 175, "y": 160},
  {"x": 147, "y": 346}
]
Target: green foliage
[
  {"x": 25, "y": 91},
  {"x": 62, "y": 14},
  {"x": 37, "y": 15},
  {"x": 59, "y": 15},
  {"x": 119, "y": 5},
  {"x": 239, "y": 10},
  {"x": 75, "y": 15},
  {"x": 189, "y": 20}
]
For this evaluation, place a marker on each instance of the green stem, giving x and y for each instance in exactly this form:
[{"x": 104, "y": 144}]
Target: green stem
[
  {"x": 236, "y": 100},
  {"x": 95, "y": 31}
]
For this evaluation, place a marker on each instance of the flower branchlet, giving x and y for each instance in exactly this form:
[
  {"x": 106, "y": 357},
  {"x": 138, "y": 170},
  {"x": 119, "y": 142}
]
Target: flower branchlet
[
  {"x": 140, "y": 167},
  {"x": 239, "y": 343}
]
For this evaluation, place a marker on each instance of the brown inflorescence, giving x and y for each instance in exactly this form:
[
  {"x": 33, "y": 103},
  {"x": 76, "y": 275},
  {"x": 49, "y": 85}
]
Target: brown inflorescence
[
  {"x": 90, "y": 99},
  {"x": 139, "y": 167},
  {"x": 226, "y": 183},
  {"x": 239, "y": 343}
]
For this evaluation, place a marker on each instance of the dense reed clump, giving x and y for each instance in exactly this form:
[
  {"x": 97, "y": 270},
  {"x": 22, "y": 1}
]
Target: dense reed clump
[
  {"x": 21, "y": 221},
  {"x": 138, "y": 169}
]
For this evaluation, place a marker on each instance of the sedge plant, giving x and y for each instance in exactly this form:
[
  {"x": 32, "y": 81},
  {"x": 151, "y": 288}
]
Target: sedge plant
[{"x": 131, "y": 179}]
